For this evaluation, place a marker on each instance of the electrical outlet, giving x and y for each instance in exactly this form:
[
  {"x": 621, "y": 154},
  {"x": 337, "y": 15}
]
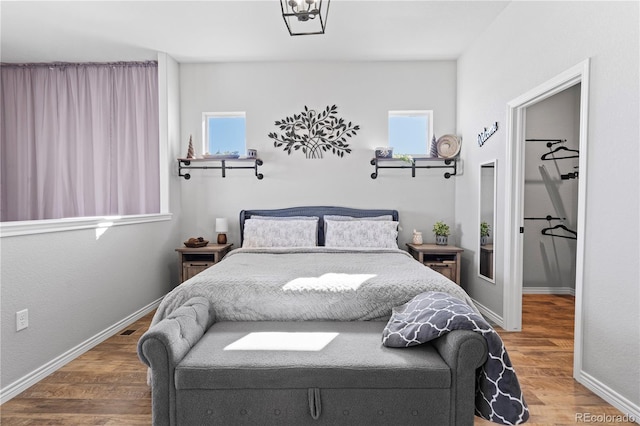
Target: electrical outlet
[{"x": 22, "y": 319}]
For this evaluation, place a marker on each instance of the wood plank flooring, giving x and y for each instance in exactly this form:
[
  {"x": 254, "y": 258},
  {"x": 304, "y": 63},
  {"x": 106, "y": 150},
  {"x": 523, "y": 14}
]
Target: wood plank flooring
[
  {"x": 542, "y": 355},
  {"x": 107, "y": 385},
  {"x": 104, "y": 386}
]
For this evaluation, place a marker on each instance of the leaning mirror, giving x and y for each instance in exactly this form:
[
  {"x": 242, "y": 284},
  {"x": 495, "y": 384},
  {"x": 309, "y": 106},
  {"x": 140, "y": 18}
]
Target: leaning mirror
[{"x": 487, "y": 220}]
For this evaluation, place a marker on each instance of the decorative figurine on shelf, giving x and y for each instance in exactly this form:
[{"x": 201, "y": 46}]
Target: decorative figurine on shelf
[
  {"x": 433, "y": 148},
  {"x": 384, "y": 152},
  {"x": 190, "y": 152}
]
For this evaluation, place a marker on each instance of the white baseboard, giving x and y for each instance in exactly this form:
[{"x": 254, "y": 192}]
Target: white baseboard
[
  {"x": 13, "y": 389},
  {"x": 549, "y": 290},
  {"x": 629, "y": 410},
  {"x": 488, "y": 314}
]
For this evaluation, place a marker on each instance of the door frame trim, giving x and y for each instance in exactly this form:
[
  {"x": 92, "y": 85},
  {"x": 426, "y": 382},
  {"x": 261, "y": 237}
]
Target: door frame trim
[{"x": 514, "y": 206}]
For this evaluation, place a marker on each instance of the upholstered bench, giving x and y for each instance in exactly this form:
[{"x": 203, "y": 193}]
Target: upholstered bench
[{"x": 297, "y": 373}]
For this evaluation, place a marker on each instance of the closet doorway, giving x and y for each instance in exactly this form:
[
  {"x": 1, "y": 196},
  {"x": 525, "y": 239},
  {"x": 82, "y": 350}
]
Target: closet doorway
[
  {"x": 551, "y": 173},
  {"x": 562, "y": 269}
]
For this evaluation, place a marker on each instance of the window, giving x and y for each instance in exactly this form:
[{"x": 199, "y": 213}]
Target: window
[
  {"x": 224, "y": 132},
  {"x": 79, "y": 140},
  {"x": 410, "y": 132}
]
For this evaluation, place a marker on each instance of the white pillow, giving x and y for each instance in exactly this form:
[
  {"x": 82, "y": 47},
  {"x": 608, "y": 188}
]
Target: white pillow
[
  {"x": 280, "y": 233},
  {"x": 361, "y": 233}
]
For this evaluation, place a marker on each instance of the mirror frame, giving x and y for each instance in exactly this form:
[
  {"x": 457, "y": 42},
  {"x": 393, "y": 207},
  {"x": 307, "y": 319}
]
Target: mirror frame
[{"x": 494, "y": 163}]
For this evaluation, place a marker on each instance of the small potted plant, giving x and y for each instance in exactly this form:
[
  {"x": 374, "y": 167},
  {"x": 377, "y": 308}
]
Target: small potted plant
[
  {"x": 442, "y": 231},
  {"x": 484, "y": 233}
]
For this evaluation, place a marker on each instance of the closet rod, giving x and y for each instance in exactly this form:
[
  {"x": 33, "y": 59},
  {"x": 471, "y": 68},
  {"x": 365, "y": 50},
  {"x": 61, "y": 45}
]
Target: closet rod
[
  {"x": 550, "y": 142},
  {"x": 548, "y": 217}
]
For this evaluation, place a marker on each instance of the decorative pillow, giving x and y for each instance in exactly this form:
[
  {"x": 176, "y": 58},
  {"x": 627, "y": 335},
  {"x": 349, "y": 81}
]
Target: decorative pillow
[
  {"x": 280, "y": 233},
  {"x": 343, "y": 218},
  {"x": 316, "y": 218},
  {"x": 431, "y": 314},
  {"x": 428, "y": 316},
  {"x": 361, "y": 233}
]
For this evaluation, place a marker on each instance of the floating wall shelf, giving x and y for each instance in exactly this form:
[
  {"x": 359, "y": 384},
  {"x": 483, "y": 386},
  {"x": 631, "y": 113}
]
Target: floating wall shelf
[
  {"x": 218, "y": 164},
  {"x": 416, "y": 163}
]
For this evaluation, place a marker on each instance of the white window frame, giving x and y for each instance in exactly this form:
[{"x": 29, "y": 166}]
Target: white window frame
[
  {"x": 415, "y": 113},
  {"x": 205, "y": 127},
  {"x": 30, "y": 227}
]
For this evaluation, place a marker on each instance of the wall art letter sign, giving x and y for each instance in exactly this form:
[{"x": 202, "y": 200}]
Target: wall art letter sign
[{"x": 487, "y": 133}]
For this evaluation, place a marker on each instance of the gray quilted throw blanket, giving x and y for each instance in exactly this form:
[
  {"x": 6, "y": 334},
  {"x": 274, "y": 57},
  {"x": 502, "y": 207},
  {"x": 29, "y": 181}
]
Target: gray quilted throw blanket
[{"x": 431, "y": 314}]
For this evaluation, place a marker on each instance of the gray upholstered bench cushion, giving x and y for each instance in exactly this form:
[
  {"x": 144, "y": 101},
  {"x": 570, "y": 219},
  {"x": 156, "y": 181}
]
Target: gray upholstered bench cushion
[
  {"x": 352, "y": 379},
  {"x": 354, "y": 358}
]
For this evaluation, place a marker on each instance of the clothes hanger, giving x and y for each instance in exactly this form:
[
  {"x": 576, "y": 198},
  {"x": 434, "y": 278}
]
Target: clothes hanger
[
  {"x": 573, "y": 236},
  {"x": 560, "y": 148}
]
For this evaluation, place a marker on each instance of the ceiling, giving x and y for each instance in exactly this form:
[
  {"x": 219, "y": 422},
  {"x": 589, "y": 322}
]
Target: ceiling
[{"x": 231, "y": 31}]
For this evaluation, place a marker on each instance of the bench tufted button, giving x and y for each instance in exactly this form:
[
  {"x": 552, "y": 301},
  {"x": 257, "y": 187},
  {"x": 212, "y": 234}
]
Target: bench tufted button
[
  {"x": 414, "y": 413},
  {"x": 276, "y": 412},
  {"x": 209, "y": 412},
  {"x": 381, "y": 412},
  {"x": 345, "y": 413},
  {"x": 243, "y": 412}
]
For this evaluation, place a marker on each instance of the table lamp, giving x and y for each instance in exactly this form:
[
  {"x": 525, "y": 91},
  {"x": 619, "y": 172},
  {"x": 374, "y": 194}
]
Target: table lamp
[{"x": 222, "y": 227}]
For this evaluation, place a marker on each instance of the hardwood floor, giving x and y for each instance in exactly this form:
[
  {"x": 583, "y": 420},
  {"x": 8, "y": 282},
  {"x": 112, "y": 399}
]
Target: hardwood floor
[
  {"x": 542, "y": 355},
  {"x": 107, "y": 385},
  {"x": 104, "y": 386}
]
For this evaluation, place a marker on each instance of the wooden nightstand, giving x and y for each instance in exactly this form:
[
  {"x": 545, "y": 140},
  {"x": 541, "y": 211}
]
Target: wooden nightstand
[
  {"x": 195, "y": 260},
  {"x": 442, "y": 259}
]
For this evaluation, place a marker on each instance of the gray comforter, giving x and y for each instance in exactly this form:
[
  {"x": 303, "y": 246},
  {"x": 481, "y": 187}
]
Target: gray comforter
[{"x": 309, "y": 284}]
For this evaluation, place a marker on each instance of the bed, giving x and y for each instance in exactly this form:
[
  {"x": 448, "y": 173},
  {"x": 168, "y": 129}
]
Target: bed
[{"x": 302, "y": 275}]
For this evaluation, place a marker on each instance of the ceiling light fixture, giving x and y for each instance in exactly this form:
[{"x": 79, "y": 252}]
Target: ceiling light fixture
[{"x": 305, "y": 17}]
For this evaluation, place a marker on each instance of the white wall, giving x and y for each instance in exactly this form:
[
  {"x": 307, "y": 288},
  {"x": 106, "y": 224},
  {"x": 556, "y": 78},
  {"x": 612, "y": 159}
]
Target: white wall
[
  {"x": 528, "y": 44},
  {"x": 364, "y": 94},
  {"x": 551, "y": 262},
  {"x": 76, "y": 285}
]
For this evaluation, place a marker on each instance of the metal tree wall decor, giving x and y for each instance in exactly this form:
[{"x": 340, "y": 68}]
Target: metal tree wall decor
[{"x": 315, "y": 133}]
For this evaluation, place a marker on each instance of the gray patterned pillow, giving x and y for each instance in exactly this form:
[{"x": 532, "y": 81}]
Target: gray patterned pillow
[
  {"x": 431, "y": 314},
  {"x": 316, "y": 218},
  {"x": 361, "y": 233},
  {"x": 338, "y": 217},
  {"x": 280, "y": 233},
  {"x": 428, "y": 316}
]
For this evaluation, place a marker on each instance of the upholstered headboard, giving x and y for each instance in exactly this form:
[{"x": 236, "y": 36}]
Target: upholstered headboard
[{"x": 319, "y": 211}]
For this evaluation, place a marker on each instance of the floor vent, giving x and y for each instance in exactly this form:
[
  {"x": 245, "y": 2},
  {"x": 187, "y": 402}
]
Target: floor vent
[{"x": 127, "y": 332}]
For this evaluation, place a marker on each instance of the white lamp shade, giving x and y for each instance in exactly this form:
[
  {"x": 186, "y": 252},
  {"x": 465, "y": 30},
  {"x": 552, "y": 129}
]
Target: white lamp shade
[{"x": 222, "y": 225}]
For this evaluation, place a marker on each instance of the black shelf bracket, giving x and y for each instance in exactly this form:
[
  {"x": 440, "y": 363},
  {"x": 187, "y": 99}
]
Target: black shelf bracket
[
  {"x": 185, "y": 164},
  {"x": 397, "y": 163}
]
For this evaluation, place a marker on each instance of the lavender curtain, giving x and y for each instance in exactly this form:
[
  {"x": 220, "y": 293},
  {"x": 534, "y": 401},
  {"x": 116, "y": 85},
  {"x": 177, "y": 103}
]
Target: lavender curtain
[{"x": 79, "y": 140}]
